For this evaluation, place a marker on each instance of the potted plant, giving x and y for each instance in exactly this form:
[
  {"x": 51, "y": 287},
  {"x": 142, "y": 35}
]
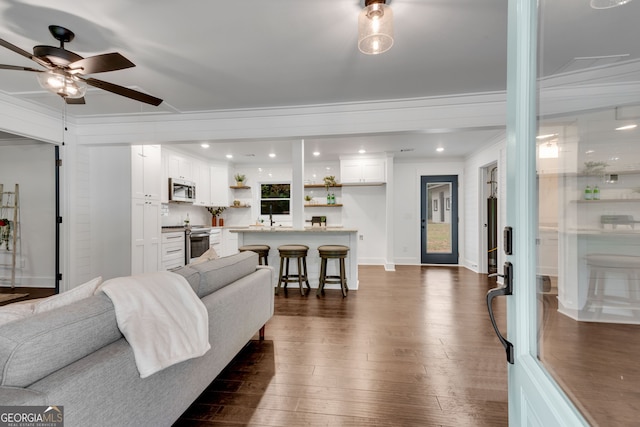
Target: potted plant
[
  {"x": 329, "y": 181},
  {"x": 240, "y": 178},
  {"x": 214, "y": 214},
  {"x": 308, "y": 198}
]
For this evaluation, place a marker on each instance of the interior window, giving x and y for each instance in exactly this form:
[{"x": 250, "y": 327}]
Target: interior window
[{"x": 275, "y": 199}]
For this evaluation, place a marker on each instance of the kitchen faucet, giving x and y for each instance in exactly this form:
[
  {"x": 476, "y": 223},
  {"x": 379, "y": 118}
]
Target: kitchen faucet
[{"x": 271, "y": 220}]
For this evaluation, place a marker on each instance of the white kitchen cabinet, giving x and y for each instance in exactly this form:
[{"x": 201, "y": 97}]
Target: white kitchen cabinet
[
  {"x": 229, "y": 243},
  {"x": 146, "y": 172},
  {"x": 173, "y": 250},
  {"x": 363, "y": 171},
  {"x": 203, "y": 184},
  {"x": 219, "y": 181},
  {"x": 145, "y": 236},
  {"x": 180, "y": 167},
  {"x": 164, "y": 177}
]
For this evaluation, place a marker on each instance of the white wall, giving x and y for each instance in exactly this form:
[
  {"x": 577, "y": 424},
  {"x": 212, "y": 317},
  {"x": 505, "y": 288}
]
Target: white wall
[
  {"x": 407, "y": 205},
  {"x": 31, "y": 164},
  {"x": 475, "y": 216},
  {"x": 365, "y": 210},
  {"x": 109, "y": 222}
]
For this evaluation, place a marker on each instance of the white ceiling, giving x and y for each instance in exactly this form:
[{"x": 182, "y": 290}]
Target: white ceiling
[{"x": 205, "y": 56}]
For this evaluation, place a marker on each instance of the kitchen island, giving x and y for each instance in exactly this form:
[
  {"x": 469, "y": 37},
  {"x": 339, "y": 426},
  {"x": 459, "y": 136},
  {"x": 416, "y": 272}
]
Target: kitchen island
[{"x": 312, "y": 237}]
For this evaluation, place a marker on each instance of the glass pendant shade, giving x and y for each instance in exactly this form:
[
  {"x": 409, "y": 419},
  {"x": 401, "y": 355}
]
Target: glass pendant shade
[
  {"x": 607, "y": 4},
  {"x": 375, "y": 28},
  {"x": 62, "y": 84}
]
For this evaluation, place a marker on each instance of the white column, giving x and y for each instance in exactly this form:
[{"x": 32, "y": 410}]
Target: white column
[{"x": 297, "y": 184}]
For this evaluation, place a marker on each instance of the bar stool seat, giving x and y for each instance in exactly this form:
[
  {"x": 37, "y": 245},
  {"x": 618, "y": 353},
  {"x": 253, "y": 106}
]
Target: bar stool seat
[
  {"x": 299, "y": 253},
  {"x": 328, "y": 252},
  {"x": 601, "y": 265},
  {"x": 261, "y": 250}
]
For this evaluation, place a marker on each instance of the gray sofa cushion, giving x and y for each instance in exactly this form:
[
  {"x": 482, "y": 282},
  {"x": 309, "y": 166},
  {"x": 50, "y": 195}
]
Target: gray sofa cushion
[
  {"x": 218, "y": 273},
  {"x": 192, "y": 276},
  {"x": 32, "y": 348}
]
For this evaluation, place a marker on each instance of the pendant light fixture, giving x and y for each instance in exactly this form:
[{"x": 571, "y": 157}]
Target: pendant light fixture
[
  {"x": 607, "y": 4},
  {"x": 375, "y": 27}
]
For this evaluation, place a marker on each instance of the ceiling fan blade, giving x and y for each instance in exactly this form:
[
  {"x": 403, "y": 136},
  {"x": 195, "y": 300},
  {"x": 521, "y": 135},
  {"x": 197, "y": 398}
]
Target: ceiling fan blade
[
  {"x": 100, "y": 64},
  {"x": 72, "y": 101},
  {"x": 18, "y": 68},
  {"x": 123, "y": 91},
  {"x": 24, "y": 53}
]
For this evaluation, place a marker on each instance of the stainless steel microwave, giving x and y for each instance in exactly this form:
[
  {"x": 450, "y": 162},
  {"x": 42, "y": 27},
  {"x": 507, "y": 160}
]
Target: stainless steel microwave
[{"x": 181, "y": 190}]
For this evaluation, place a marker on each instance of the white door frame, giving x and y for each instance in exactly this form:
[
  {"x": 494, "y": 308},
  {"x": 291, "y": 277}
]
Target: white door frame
[{"x": 535, "y": 399}]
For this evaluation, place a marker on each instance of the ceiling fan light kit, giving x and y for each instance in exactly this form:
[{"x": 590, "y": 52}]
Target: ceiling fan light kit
[
  {"x": 65, "y": 70},
  {"x": 375, "y": 27},
  {"x": 62, "y": 84}
]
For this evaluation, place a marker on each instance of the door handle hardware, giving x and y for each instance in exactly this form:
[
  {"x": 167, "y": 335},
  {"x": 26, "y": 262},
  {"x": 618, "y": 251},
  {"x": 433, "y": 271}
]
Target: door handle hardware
[{"x": 504, "y": 290}]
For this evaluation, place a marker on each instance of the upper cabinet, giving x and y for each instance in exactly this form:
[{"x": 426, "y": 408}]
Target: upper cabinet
[
  {"x": 146, "y": 172},
  {"x": 363, "y": 171},
  {"x": 180, "y": 167},
  {"x": 219, "y": 185},
  {"x": 203, "y": 184}
]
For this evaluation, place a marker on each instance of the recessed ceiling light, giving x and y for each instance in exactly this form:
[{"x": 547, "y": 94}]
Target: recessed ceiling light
[
  {"x": 316, "y": 153},
  {"x": 229, "y": 156},
  {"x": 439, "y": 149},
  {"x": 362, "y": 151},
  {"x": 627, "y": 127},
  {"x": 589, "y": 152},
  {"x": 204, "y": 145},
  {"x": 272, "y": 155}
]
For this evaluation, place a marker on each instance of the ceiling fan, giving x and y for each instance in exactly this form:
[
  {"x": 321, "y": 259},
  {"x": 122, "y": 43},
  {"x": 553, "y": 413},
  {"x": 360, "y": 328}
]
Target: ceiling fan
[{"x": 65, "y": 71}]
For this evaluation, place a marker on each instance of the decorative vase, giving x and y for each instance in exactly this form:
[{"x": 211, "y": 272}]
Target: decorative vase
[
  {"x": 214, "y": 221},
  {"x": 220, "y": 222}
]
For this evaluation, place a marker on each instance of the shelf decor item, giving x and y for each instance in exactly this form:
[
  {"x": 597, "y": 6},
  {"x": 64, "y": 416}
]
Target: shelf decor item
[
  {"x": 214, "y": 215},
  {"x": 329, "y": 181},
  {"x": 240, "y": 179},
  {"x": 595, "y": 168}
]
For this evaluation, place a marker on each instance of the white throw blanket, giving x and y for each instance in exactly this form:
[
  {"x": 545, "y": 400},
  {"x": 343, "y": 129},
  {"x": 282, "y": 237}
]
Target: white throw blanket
[{"x": 161, "y": 317}]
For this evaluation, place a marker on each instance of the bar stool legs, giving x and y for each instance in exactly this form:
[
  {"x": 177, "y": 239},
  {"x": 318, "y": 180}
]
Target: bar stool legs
[
  {"x": 299, "y": 252},
  {"x": 339, "y": 253}
]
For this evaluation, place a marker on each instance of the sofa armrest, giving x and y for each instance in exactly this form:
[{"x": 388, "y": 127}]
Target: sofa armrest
[
  {"x": 18, "y": 396},
  {"x": 267, "y": 267}
]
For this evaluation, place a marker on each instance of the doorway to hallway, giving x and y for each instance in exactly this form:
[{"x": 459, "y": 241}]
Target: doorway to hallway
[{"x": 439, "y": 219}]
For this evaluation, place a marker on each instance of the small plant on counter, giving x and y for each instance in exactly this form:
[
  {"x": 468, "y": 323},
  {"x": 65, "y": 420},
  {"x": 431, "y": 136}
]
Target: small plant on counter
[{"x": 240, "y": 178}]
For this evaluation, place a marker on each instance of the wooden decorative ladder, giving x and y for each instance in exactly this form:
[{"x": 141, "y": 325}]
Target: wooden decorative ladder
[{"x": 9, "y": 232}]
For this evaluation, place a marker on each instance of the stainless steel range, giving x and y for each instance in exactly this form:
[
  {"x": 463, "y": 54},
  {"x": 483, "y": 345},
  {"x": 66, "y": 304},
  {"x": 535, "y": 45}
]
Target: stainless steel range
[{"x": 197, "y": 242}]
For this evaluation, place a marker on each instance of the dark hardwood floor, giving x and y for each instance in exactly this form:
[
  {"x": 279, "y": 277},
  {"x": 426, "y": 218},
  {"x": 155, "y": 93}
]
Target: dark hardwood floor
[
  {"x": 32, "y": 293},
  {"x": 413, "y": 347}
]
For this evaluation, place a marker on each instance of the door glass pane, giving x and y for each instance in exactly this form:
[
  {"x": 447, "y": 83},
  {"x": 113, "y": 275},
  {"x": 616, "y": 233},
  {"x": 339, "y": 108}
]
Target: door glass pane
[
  {"x": 588, "y": 165},
  {"x": 439, "y": 217}
]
